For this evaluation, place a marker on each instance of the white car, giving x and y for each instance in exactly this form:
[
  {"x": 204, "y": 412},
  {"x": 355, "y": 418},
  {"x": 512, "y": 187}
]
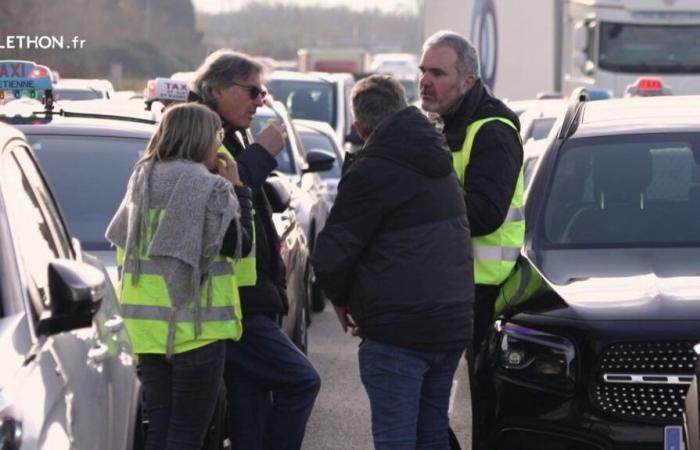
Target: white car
[{"x": 317, "y": 96}]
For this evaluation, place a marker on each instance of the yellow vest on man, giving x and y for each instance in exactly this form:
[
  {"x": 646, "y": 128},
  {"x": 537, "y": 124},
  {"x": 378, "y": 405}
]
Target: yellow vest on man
[{"x": 495, "y": 254}]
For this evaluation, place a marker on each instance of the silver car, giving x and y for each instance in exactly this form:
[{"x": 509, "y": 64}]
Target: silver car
[{"x": 67, "y": 378}]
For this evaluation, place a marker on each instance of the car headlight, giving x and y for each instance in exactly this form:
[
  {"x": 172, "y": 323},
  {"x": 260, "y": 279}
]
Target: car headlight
[{"x": 534, "y": 358}]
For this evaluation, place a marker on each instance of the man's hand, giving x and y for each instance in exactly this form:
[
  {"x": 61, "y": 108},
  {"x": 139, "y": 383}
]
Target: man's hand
[
  {"x": 272, "y": 137},
  {"x": 346, "y": 321}
]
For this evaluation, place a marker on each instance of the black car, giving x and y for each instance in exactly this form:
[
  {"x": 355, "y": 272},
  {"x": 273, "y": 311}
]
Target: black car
[
  {"x": 67, "y": 377},
  {"x": 602, "y": 356},
  {"x": 88, "y": 160}
]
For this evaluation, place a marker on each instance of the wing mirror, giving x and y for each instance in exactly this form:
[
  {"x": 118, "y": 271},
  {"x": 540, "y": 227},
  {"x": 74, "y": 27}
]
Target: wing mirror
[
  {"x": 319, "y": 160},
  {"x": 76, "y": 291}
]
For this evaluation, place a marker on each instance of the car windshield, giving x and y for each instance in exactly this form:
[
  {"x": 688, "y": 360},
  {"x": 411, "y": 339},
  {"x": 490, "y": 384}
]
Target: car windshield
[
  {"x": 638, "y": 190},
  {"x": 88, "y": 176},
  {"x": 285, "y": 160},
  {"x": 649, "y": 48},
  {"x": 306, "y": 99},
  {"x": 312, "y": 140}
]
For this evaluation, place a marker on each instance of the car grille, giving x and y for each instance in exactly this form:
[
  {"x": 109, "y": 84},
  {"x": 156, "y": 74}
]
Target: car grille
[{"x": 644, "y": 381}]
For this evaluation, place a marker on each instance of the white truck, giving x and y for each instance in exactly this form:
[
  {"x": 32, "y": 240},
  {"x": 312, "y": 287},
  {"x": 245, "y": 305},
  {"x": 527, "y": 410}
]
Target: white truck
[{"x": 557, "y": 45}]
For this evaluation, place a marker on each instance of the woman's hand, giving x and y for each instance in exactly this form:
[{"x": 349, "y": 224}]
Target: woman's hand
[{"x": 227, "y": 168}]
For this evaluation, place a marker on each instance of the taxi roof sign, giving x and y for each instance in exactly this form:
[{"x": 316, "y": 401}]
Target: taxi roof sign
[
  {"x": 18, "y": 75},
  {"x": 166, "y": 89}
]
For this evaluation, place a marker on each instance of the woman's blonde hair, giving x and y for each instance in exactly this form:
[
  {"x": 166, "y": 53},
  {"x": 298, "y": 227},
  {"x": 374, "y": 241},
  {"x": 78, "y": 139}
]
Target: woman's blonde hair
[{"x": 186, "y": 131}]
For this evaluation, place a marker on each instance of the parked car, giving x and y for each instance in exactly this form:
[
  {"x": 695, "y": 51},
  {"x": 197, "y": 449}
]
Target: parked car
[
  {"x": 67, "y": 378},
  {"x": 603, "y": 356},
  {"x": 83, "y": 89},
  {"x": 88, "y": 161},
  {"x": 317, "y": 96},
  {"x": 316, "y": 135}
]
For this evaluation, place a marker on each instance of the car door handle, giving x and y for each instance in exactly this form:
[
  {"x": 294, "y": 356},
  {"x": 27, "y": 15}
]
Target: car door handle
[
  {"x": 98, "y": 353},
  {"x": 114, "y": 324}
]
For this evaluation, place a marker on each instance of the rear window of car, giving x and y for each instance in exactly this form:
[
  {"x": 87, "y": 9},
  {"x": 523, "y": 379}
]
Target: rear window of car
[
  {"x": 306, "y": 99},
  {"x": 88, "y": 176},
  {"x": 628, "y": 190}
]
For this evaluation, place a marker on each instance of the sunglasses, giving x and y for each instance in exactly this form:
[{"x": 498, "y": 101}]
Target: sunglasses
[{"x": 253, "y": 91}]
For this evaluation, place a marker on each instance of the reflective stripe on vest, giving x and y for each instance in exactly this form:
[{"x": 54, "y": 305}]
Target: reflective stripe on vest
[
  {"x": 523, "y": 284},
  {"x": 246, "y": 273},
  {"x": 153, "y": 324},
  {"x": 494, "y": 254}
]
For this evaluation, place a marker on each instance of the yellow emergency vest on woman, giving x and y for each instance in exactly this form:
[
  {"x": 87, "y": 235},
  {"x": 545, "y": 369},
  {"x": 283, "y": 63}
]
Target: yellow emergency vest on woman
[
  {"x": 246, "y": 273},
  {"x": 151, "y": 322},
  {"x": 494, "y": 254}
]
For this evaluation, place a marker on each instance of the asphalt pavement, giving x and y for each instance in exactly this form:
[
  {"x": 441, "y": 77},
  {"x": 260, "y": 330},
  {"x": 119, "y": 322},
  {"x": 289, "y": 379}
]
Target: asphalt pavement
[{"x": 341, "y": 417}]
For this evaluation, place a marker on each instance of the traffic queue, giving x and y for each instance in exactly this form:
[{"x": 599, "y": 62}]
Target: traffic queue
[{"x": 592, "y": 341}]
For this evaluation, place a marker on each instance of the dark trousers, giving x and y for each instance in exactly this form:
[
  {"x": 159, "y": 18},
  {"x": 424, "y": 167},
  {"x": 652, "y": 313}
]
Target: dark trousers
[
  {"x": 271, "y": 387},
  {"x": 409, "y": 394},
  {"x": 481, "y": 387},
  {"x": 180, "y": 396}
]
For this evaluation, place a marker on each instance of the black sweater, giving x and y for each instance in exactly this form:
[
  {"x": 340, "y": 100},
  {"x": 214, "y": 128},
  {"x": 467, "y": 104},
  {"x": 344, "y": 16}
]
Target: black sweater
[{"x": 396, "y": 246}]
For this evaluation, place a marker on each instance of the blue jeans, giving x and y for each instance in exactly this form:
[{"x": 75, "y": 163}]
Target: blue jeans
[
  {"x": 180, "y": 396},
  {"x": 409, "y": 394},
  {"x": 271, "y": 388}
]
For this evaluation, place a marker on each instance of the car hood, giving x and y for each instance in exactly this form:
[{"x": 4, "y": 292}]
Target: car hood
[{"x": 623, "y": 284}]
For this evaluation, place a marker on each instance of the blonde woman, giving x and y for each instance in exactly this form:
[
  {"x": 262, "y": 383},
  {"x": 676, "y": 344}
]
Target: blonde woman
[{"x": 184, "y": 219}]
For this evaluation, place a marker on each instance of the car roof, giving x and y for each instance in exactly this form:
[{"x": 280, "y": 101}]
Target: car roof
[
  {"x": 314, "y": 126},
  {"x": 640, "y": 115},
  {"x": 9, "y": 132},
  {"x": 80, "y": 126}
]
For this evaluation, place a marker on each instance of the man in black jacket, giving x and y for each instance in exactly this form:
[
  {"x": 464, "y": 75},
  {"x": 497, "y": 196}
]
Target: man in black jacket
[
  {"x": 395, "y": 260},
  {"x": 271, "y": 385},
  {"x": 482, "y": 134}
]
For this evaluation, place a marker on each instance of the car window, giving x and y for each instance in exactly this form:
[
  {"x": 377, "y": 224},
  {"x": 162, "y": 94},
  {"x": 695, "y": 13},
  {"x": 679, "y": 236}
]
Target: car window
[
  {"x": 34, "y": 222},
  {"x": 321, "y": 141},
  {"x": 88, "y": 175},
  {"x": 540, "y": 128},
  {"x": 285, "y": 159},
  {"x": 631, "y": 190},
  {"x": 306, "y": 99},
  {"x": 76, "y": 94}
]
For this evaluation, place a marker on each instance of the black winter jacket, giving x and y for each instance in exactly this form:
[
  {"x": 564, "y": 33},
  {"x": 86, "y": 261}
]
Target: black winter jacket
[
  {"x": 268, "y": 296},
  {"x": 396, "y": 246},
  {"x": 495, "y": 160}
]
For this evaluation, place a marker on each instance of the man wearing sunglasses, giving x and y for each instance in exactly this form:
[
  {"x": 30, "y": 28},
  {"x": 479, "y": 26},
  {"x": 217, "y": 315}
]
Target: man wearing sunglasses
[{"x": 271, "y": 386}]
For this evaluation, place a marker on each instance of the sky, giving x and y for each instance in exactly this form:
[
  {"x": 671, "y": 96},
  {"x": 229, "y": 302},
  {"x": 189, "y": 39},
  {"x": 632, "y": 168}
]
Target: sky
[{"x": 214, "y": 6}]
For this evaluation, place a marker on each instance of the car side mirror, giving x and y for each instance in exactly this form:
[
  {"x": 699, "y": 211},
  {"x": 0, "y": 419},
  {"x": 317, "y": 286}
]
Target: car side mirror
[
  {"x": 319, "y": 160},
  {"x": 76, "y": 291},
  {"x": 277, "y": 194}
]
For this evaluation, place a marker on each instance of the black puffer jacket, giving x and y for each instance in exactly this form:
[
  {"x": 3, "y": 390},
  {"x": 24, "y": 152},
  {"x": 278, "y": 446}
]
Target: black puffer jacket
[
  {"x": 495, "y": 160},
  {"x": 396, "y": 245}
]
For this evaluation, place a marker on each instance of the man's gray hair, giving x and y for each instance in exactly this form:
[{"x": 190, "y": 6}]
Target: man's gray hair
[
  {"x": 376, "y": 97},
  {"x": 220, "y": 70},
  {"x": 467, "y": 55}
]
